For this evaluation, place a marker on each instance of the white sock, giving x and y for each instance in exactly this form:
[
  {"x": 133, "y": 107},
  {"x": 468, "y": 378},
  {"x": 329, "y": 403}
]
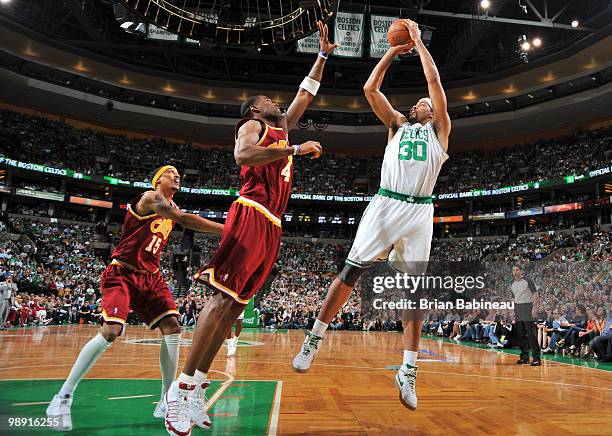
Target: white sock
[
  {"x": 185, "y": 378},
  {"x": 168, "y": 359},
  {"x": 319, "y": 328},
  {"x": 200, "y": 377},
  {"x": 410, "y": 357},
  {"x": 87, "y": 357}
]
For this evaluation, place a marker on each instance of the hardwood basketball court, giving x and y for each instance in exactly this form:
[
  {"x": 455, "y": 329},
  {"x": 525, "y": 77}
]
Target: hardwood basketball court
[{"x": 462, "y": 389}]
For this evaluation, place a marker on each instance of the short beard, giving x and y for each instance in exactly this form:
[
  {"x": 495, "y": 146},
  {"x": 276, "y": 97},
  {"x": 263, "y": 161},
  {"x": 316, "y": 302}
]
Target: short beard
[
  {"x": 412, "y": 119},
  {"x": 273, "y": 117}
]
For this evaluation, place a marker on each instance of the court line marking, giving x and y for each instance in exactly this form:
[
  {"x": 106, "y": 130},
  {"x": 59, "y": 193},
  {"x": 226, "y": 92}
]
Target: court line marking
[
  {"x": 226, "y": 384},
  {"x": 36, "y": 403},
  {"x": 133, "y": 396},
  {"x": 275, "y": 409}
]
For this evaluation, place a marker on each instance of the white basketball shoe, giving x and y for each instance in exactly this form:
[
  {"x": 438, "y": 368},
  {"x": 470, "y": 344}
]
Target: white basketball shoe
[
  {"x": 310, "y": 348},
  {"x": 405, "y": 380}
]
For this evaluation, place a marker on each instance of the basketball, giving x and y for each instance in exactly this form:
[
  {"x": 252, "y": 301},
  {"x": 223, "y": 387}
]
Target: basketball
[{"x": 398, "y": 33}]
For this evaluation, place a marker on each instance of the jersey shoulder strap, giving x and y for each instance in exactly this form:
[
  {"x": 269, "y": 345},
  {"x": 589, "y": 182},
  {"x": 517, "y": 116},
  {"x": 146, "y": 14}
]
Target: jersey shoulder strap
[{"x": 264, "y": 126}]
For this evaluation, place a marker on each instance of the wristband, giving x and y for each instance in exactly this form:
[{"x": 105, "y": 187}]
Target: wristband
[
  {"x": 310, "y": 85},
  {"x": 296, "y": 149},
  {"x": 323, "y": 54}
]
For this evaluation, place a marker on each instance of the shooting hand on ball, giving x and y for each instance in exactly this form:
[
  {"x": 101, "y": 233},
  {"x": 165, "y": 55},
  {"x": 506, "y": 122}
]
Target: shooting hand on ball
[
  {"x": 402, "y": 49},
  {"x": 413, "y": 28}
]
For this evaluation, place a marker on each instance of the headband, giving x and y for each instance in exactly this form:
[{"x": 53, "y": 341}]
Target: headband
[{"x": 159, "y": 173}]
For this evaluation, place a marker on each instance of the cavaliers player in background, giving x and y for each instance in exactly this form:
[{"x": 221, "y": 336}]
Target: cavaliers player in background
[
  {"x": 133, "y": 281},
  {"x": 251, "y": 239}
]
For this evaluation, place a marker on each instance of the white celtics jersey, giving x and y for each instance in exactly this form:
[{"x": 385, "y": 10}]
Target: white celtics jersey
[{"x": 412, "y": 161}]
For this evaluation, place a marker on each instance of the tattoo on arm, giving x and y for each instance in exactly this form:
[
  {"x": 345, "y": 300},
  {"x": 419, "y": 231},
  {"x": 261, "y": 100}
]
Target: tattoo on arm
[{"x": 161, "y": 204}]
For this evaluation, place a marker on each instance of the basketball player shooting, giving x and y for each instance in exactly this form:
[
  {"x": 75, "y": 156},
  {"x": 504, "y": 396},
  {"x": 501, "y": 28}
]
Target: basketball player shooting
[
  {"x": 251, "y": 238},
  {"x": 133, "y": 281},
  {"x": 398, "y": 222}
]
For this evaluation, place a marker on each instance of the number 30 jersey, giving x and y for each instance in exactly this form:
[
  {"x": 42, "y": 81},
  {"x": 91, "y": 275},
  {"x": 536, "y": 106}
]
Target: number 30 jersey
[
  {"x": 413, "y": 159},
  {"x": 143, "y": 239},
  {"x": 269, "y": 184}
]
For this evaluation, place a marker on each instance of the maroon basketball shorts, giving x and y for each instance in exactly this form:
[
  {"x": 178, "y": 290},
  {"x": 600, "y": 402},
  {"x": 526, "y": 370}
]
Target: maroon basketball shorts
[
  {"x": 147, "y": 294},
  {"x": 249, "y": 247}
]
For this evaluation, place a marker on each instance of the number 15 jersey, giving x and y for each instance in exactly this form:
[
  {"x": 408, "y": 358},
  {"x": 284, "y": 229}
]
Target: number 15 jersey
[
  {"x": 413, "y": 159},
  {"x": 143, "y": 239}
]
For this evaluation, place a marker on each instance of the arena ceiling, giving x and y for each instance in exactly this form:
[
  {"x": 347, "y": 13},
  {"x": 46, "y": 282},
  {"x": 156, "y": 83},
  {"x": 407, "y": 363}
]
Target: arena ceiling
[{"x": 469, "y": 44}]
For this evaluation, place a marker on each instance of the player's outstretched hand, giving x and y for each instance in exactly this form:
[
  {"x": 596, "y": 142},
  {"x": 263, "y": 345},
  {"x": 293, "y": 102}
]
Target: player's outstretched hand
[
  {"x": 324, "y": 44},
  {"x": 311, "y": 147}
]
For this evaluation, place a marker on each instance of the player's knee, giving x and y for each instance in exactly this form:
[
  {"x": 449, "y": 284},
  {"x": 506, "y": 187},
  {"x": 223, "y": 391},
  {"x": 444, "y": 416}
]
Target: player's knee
[
  {"x": 110, "y": 332},
  {"x": 349, "y": 275},
  {"x": 169, "y": 326}
]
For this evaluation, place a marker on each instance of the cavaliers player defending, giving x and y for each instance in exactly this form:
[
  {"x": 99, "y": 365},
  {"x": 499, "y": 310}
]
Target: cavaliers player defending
[
  {"x": 251, "y": 239},
  {"x": 133, "y": 281}
]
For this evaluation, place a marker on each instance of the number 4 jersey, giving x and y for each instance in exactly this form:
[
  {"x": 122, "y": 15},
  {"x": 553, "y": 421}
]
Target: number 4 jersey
[
  {"x": 268, "y": 185},
  {"x": 143, "y": 239},
  {"x": 412, "y": 161}
]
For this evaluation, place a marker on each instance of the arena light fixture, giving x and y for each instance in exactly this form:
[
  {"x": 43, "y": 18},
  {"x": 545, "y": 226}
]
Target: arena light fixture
[
  {"x": 234, "y": 22},
  {"x": 129, "y": 22},
  {"x": 485, "y": 4},
  {"x": 575, "y": 23},
  {"x": 523, "y": 48},
  {"x": 537, "y": 42}
]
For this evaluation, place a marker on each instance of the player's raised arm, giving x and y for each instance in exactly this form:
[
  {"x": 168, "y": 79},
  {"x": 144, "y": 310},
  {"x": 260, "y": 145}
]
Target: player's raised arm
[
  {"x": 154, "y": 201},
  {"x": 378, "y": 101},
  {"x": 442, "y": 122},
  {"x": 247, "y": 152},
  {"x": 310, "y": 84}
]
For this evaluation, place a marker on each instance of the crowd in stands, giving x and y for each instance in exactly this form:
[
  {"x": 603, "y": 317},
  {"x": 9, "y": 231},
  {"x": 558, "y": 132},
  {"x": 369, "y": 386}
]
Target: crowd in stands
[
  {"x": 54, "y": 143},
  {"x": 575, "y": 290},
  {"x": 58, "y": 276}
]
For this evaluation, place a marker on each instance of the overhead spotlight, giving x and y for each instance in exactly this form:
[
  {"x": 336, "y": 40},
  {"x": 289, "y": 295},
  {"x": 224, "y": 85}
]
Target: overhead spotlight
[
  {"x": 485, "y": 4},
  {"x": 508, "y": 101},
  {"x": 487, "y": 104},
  {"x": 530, "y": 96},
  {"x": 575, "y": 23},
  {"x": 5, "y": 2},
  {"x": 467, "y": 107},
  {"x": 523, "y": 48},
  {"x": 537, "y": 42}
]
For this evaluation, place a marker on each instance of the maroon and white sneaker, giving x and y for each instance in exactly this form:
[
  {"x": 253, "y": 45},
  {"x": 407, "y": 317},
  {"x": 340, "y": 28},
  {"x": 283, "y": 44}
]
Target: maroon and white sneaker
[
  {"x": 197, "y": 406},
  {"x": 178, "y": 397}
]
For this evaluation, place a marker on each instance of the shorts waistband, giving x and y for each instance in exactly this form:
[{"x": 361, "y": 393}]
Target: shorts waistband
[
  {"x": 403, "y": 197},
  {"x": 261, "y": 209},
  {"x": 132, "y": 268}
]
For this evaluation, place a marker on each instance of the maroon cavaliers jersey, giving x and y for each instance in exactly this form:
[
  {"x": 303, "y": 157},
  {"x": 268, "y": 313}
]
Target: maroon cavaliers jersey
[
  {"x": 270, "y": 184},
  {"x": 143, "y": 239}
]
